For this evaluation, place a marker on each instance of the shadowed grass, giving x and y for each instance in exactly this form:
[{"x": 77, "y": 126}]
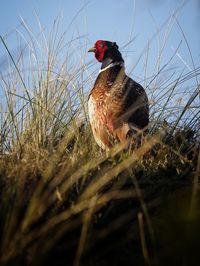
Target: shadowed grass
[{"x": 63, "y": 200}]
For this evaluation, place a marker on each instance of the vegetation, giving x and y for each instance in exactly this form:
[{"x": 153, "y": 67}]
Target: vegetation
[{"x": 66, "y": 202}]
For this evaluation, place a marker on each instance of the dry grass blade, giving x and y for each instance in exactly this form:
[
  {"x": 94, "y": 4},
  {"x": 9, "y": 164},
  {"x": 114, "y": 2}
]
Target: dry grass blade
[
  {"x": 18, "y": 71},
  {"x": 61, "y": 194},
  {"x": 84, "y": 232},
  {"x": 143, "y": 240}
]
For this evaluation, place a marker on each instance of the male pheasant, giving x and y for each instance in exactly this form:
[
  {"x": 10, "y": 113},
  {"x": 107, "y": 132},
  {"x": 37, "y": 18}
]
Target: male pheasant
[{"x": 117, "y": 105}]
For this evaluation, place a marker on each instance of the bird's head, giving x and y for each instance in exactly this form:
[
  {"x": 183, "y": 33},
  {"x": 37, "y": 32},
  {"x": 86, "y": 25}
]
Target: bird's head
[{"x": 106, "y": 50}]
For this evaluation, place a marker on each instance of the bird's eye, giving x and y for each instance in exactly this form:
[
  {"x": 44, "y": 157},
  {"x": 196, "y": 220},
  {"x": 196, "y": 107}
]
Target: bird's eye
[{"x": 101, "y": 45}]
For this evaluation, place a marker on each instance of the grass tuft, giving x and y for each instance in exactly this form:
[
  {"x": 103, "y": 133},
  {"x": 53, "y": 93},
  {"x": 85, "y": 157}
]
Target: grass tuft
[{"x": 63, "y": 200}]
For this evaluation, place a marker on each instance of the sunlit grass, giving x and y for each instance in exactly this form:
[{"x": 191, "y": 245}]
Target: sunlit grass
[{"x": 55, "y": 181}]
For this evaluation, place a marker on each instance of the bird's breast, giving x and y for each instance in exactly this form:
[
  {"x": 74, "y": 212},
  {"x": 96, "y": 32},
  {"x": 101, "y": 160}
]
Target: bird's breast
[
  {"x": 97, "y": 111},
  {"x": 101, "y": 120}
]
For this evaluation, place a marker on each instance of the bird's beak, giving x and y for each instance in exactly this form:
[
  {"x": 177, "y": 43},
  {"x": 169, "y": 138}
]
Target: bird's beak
[{"x": 92, "y": 49}]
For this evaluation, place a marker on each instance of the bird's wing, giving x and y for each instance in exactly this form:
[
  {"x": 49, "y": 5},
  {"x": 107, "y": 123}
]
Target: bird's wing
[{"x": 136, "y": 107}]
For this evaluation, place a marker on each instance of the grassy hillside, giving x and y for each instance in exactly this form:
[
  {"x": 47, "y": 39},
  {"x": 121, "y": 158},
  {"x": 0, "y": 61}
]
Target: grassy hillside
[{"x": 66, "y": 202}]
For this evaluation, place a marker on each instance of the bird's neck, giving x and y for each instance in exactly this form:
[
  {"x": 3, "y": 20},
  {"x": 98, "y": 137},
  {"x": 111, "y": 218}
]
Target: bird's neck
[
  {"x": 110, "y": 58},
  {"x": 106, "y": 64},
  {"x": 113, "y": 73}
]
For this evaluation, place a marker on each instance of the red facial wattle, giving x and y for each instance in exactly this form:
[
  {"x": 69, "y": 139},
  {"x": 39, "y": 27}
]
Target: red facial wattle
[{"x": 100, "y": 47}]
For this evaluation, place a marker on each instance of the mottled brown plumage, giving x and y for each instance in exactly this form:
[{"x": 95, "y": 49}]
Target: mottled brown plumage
[{"x": 118, "y": 106}]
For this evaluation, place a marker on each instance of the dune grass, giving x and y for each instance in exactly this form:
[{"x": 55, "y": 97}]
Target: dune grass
[{"x": 66, "y": 202}]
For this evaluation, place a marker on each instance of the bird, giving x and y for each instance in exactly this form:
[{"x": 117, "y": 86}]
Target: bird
[{"x": 118, "y": 107}]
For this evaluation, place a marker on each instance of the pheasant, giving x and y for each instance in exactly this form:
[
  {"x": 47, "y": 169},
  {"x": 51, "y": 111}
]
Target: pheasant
[{"x": 117, "y": 105}]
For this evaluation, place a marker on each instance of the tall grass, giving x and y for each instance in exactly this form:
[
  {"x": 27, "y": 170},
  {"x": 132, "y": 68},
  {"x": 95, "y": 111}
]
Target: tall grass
[{"x": 60, "y": 194}]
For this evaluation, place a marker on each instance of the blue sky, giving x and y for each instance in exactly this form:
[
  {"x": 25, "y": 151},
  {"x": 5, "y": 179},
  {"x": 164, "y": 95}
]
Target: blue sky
[
  {"x": 148, "y": 22},
  {"x": 108, "y": 19},
  {"x": 114, "y": 20}
]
